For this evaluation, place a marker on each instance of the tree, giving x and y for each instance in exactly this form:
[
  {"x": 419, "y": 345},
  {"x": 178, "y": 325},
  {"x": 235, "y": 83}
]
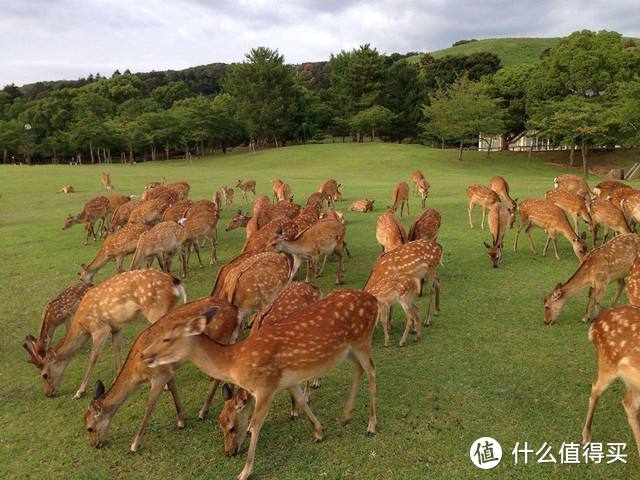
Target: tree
[
  {"x": 166, "y": 95},
  {"x": 461, "y": 112},
  {"x": 440, "y": 72},
  {"x": 369, "y": 120},
  {"x": 402, "y": 93}
]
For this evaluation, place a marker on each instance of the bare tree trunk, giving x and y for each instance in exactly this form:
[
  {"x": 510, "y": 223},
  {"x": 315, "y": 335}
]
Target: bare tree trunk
[
  {"x": 504, "y": 143},
  {"x": 166, "y": 150},
  {"x": 131, "y": 154},
  {"x": 489, "y": 147},
  {"x": 584, "y": 148},
  {"x": 373, "y": 133},
  {"x": 91, "y": 151},
  {"x": 441, "y": 143},
  {"x": 530, "y": 151},
  {"x": 460, "y": 151},
  {"x": 4, "y": 156},
  {"x": 572, "y": 160}
]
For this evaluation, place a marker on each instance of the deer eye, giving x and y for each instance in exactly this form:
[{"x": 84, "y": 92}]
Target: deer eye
[
  {"x": 45, "y": 375},
  {"x": 232, "y": 430},
  {"x": 89, "y": 429}
]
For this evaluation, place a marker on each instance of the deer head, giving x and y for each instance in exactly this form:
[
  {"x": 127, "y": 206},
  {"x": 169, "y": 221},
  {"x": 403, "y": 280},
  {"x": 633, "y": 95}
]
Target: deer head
[
  {"x": 234, "y": 419},
  {"x": 52, "y": 371},
  {"x": 69, "y": 221},
  {"x": 495, "y": 253},
  {"x": 553, "y": 303},
  {"x": 85, "y": 275},
  {"x": 96, "y": 420},
  {"x": 238, "y": 220},
  {"x": 580, "y": 246}
]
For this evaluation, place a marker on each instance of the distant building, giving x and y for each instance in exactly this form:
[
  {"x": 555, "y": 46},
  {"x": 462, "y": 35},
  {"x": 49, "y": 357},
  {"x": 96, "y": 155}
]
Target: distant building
[{"x": 522, "y": 144}]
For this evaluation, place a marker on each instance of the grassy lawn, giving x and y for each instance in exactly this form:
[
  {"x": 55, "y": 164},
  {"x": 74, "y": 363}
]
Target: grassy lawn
[{"x": 486, "y": 367}]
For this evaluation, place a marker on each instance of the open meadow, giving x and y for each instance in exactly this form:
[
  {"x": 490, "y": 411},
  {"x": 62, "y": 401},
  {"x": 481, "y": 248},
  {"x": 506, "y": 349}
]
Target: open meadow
[{"x": 487, "y": 366}]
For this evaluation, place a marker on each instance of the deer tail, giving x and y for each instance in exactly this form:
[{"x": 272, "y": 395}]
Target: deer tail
[{"x": 179, "y": 288}]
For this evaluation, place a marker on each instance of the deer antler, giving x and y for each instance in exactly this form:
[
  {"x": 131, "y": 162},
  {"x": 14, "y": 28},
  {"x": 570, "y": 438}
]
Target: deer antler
[{"x": 29, "y": 345}]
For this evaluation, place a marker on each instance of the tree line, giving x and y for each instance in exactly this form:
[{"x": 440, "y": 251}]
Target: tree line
[{"x": 584, "y": 91}]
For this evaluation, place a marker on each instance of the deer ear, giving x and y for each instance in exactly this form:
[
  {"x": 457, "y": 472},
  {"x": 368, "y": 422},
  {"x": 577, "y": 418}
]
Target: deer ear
[
  {"x": 227, "y": 393},
  {"x": 242, "y": 397},
  {"x": 99, "y": 390},
  {"x": 486, "y": 245},
  {"x": 195, "y": 326}
]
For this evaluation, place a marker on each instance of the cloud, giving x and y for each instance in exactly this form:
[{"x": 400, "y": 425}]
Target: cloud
[{"x": 54, "y": 39}]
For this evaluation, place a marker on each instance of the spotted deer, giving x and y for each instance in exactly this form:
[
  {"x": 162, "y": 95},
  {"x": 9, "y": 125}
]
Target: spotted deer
[
  {"x": 163, "y": 192},
  {"x": 573, "y": 205},
  {"x": 105, "y": 179},
  {"x": 177, "y": 211},
  {"x": 362, "y": 206},
  {"x": 239, "y": 220},
  {"x": 116, "y": 247},
  {"x": 228, "y": 196},
  {"x": 280, "y": 356},
  {"x": 181, "y": 187},
  {"x": 633, "y": 283},
  {"x": 284, "y": 192},
  {"x": 260, "y": 240},
  {"x": 423, "y": 190},
  {"x": 105, "y": 309},
  {"x": 598, "y": 269},
  {"x": 94, "y": 211},
  {"x": 615, "y": 336},
  {"x": 276, "y": 185},
  {"x": 400, "y": 198},
  {"x": 162, "y": 242},
  {"x": 135, "y": 373},
  {"x": 483, "y": 196},
  {"x": 121, "y": 215},
  {"x": 116, "y": 201},
  {"x": 499, "y": 219},
  {"x": 630, "y": 206},
  {"x": 66, "y": 189},
  {"x": 546, "y": 215},
  {"x": 148, "y": 211},
  {"x": 605, "y": 213},
  {"x": 426, "y": 226},
  {"x": 607, "y": 188},
  {"x": 246, "y": 186},
  {"x": 200, "y": 225},
  {"x": 500, "y": 185},
  {"x": 330, "y": 192},
  {"x": 336, "y": 215},
  {"x": 58, "y": 311},
  {"x": 618, "y": 196},
  {"x": 152, "y": 185},
  {"x": 389, "y": 232},
  {"x": 573, "y": 183},
  {"x": 416, "y": 178}
]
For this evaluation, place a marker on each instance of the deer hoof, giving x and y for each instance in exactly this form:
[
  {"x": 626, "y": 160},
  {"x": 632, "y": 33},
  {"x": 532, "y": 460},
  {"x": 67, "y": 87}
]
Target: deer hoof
[{"x": 79, "y": 394}]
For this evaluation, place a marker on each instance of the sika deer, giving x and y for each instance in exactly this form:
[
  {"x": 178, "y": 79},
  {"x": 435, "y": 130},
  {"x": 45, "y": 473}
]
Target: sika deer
[
  {"x": 182, "y": 188},
  {"x": 246, "y": 186},
  {"x": 546, "y": 215},
  {"x": 106, "y": 309},
  {"x": 389, "y": 232},
  {"x": 116, "y": 201},
  {"x": 363, "y": 206},
  {"x": 177, "y": 211},
  {"x": 400, "y": 198},
  {"x": 163, "y": 241},
  {"x": 598, "y": 269},
  {"x": 239, "y": 220},
  {"x": 203, "y": 224},
  {"x": 329, "y": 192},
  {"x": 416, "y": 178},
  {"x": 573, "y": 183},
  {"x": 633, "y": 283},
  {"x": 499, "y": 185},
  {"x": 259, "y": 241},
  {"x": 136, "y": 373},
  {"x": 483, "y": 196},
  {"x": 572, "y": 204},
  {"x": 615, "y": 335},
  {"x": 163, "y": 192},
  {"x": 148, "y": 211},
  {"x": 284, "y": 193},
  {"x": 426, "y": 226},
  {"x": 607, "y": 188},
  {"x": 66, "y": 189},
  {"x": 423, "y": 189},
  {"x": 152, "y": 185},
  {"x": 499, "y": 219},
  {"x": 105, "y": 179},
  {"x": 283, "y": 355},
  {"x": 630, "y": 206},
  {"x": 121, "y": 216},
  {"x": 276, "y": 185},
  {"x": 228, "y": 196},
  {"x": 609, "y": 216},
  {"x": 94, "y": 210},
  {"x": 116, "y": 246}
]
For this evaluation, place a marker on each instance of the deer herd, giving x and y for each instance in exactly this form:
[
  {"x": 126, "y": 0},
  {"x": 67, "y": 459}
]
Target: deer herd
[{"x": 295, "y": 335}]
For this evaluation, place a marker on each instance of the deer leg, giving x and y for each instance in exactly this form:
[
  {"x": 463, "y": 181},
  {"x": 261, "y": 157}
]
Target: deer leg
[
  {"x": 527, "y": 231},
  {"x": 618, "y": 291},
  {"x": 347, "y": 412},
  {"x": 263, "y": 402},
  {"x": 99, "y": 338},
  {"x": 383, "y": 313},
  {"x": 116, "y": 343},
  {"x": 436, "y": 287},
  {"x": 119, "y": 261},
  {"x": 298, "y": 396},
  {"x": 606, "y": 235},
  {"x": 202, "y": 414},
  {"x": 484, "y": 213},
  {"x": 523, "y": 222},
  {"x": 605, "y": 377},
  {"x": 340, "y": 252},
  {"x": 546, "y": 245},
  {"x": 197, "y": 249},
  {"x": 157, "y": 386},
  {"x": 469, "y": 209},
  {"x": 595, "y": 233},
  {"x": 315, "y": 383},
  {"x": 214, "y": 257},
  {"x": 366, "y": 362},
  {"x": 173, "y": 388},
  {"x": 408, "y": 212},
  {"x": 409, "y": 314},
  {"x": 631, "y": 403}
]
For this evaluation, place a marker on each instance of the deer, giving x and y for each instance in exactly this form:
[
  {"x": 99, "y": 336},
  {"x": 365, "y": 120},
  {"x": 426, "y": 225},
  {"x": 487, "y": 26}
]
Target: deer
[
  {"x": 423, "y": 189},
  {"x": 426, "y": 226},
  {"x": 330, "y": 192},
  {"x": 573, "y": 183},
  {"x": 573, "y": 205},
  {"x": 162, "y": 241},
  {"x": 609, "y": 216},
  {"x": 389, "y": 232},
  {"x": 483, "y": 196},
  {"x": 203, "y": 224},
  {"x": 105, "y": 309},
  {"x": 307, "y": 217},
  {"x": 202, "y": 206},
  {"x": 239, "y": 220},
  {"x": 121, "y": 215},
  {"x": 135, "y": 373},
  {"x": 416, "y": 178},
  {"x": 66, "y": 189},
  {"x": 116, "y": 246},
  {"x": 228, "y": 196},
  {"x": 176, "y": 211},
  {"x": 336, "y": 215},
  {"x": 607, "y": 188},
  {"x": 163, "y": 192},
  {"x": 234, "y": 417},
  {"x": 633, "y": 283},
  {"x": 614, "y": 334},
  {"x": 603, "y": 265},
  {"x": 152, "y": 185},
  {"x": 115, "y": 201},
  {"x": 105, "y": 179},
  {"x": 630, "y": 206},
  {"x": 400, "y": 198},
  {"x": 182, "y": 188},
  {"x": 284, "y": 192},
  {"x": 362, "y": 206},
  {"x": 546, "y": 215},
  {"x": 499, "y": 221},
  {"x": 315, "y": 199},
  {"x": 281, "y": 357},
  {"x": 58, "y": 311},
  {"x": 620, "y": 194},
  {"x": 217, "y": 200},
  {"x": 94, "y": 211},
  {"x": 276, "y": 185},
  {"x": 500, "y": 185},
  {"x": 284, "y": 208},
  {"x": 259, "y": 241},
  {"x": 148, "y": 211},
  {"x": 246, "y": 186},
  {"x": 322, "y": 238}
]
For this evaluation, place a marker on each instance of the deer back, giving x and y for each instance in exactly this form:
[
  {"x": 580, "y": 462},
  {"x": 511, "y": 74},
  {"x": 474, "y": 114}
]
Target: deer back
[
  {"x": 389, "y": 232},
  {"x": 426, "y": 226}
]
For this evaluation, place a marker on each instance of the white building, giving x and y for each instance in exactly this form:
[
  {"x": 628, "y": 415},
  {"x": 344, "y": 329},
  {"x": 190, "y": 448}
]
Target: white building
[{"x": 524, "y": 143}]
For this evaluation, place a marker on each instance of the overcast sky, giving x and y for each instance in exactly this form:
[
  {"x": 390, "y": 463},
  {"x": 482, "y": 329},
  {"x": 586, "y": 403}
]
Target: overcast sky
[{"x": 67, "y": 39}]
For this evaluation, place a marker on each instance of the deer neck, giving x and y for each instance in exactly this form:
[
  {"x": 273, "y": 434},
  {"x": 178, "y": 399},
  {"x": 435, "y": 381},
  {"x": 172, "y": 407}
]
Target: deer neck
[
  {"x": 294, "y": 247},
  {"x": 577, "y": 282},
  {"x": 123, "y": 387},
  {"x": 72, "y": 342},
  {"x": 213, "y": 358}
]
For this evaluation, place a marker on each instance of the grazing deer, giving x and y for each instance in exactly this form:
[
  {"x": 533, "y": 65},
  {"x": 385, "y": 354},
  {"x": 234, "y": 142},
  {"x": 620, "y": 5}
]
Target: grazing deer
[
  {"x": 614, "y": 334},
  {"x": 116, "y": 246},
  {"x": 121, "y": 216},
  {"x": 389, "y": 232},
  {"x": 177, "y": 211},
  {"x": 200, "y": 225},
  {"x": 282, "y": 356},
  {"x": 598, "y": 269},
  {"x": 309, "y": 215},
  {"x": 605, "y": 213},
  {"x": 630, "y": 206},
  {"x": 426, "y": 226},
  {"x": 163, "y": 192},
  {"x": 162, "y": 241},
  {"x": 423, "y": 189},
  {"x": 259, "y": 241},
  {"x": 330, "y": 192},
  {"x": 633, "y": 283},
  {"x": 499, "y": 220},
  {"x": 148, "y": 211},
  {"x": 416, "y": 178},
  {"x": 261, "y": 202},
  {"x": 573, "y": 183},
  {"x": 66, "y": 189},
  {"x": 94, "y": 211},
  {"x": 135, "y": 372},
  {"x": 499, "y": 185},
  {"x": 363, "y": 206},
  {"x": 115, "y": 201},
  {"x": 483, "y": 196},
  {"x": 607, "y": 188},
  {"x": 239, "y": 220},
  {"x": 546, "y": 215},
  {"x": 182, "y": 188},
  {"x": 228, "y": 196},
  {"x": 58, "y": 311},
  {"x": 105, "y": 309},
  {"x": 322, "y": 238},
  {"x": 234, "y": 417},
  {"x": 246, "y": 186},
  {"x": 572, "y": 204},
  {"x": 203, "y": 206},
  {"x": 400, "y": 198},
  {"x": 105, "y": 179}
]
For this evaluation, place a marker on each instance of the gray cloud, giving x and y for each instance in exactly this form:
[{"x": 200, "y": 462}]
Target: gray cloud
[{"x": 54, "y": 39}]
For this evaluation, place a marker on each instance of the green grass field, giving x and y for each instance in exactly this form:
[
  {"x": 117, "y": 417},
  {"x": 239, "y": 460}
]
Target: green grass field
[{"x": 486, "y": 367}]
